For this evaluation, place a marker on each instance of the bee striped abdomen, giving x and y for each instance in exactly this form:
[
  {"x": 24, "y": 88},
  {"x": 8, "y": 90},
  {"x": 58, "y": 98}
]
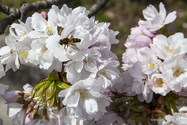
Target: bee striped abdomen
[{"x": 76, "y": 40}]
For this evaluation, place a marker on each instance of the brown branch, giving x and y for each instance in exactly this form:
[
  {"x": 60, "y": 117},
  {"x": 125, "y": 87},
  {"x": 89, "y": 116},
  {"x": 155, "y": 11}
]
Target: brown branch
[{"x": 96, "y": 7}]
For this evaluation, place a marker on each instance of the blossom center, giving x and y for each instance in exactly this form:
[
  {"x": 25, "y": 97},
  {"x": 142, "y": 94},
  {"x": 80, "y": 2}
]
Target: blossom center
[
  {"x": 12, "y": 51},
  {"x": 102, "y": 72},
  {"x": 22, "y": 32},
  {"x": 83, "y": 93},
  {"x": 85, "y": 61},
  {"x": 159, "y": 82},
  {"x": 23, "y": 55},
  {"x": 45, "y": 49},
  {"x": 177, "y": 71},
  {"x": 151, "y": 64},
  {"x": 170, "y": 50},
  {"x": 49, "y": 31}
]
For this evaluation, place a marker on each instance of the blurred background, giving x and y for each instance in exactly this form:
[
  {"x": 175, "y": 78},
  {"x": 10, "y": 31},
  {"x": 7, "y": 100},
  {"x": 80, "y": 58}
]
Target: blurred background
[{"x": 122, "y": 14}]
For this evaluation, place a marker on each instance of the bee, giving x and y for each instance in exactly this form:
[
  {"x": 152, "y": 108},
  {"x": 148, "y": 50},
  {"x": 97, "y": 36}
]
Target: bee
[{"x": 70, "y": 42}]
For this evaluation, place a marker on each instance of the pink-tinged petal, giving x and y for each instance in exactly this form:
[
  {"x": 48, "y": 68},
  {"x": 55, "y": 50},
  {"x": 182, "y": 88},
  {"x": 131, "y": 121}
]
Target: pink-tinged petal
[
  {"x": 170, "y": 17},
  {"x": 91, "y": 106},
  {"x": 12, "y": 96},
  {"x": 162, "y": 10},
  {"x": 30, "y": 121},
  {"x": 148, "y": 33},
  {"x": 44, "y": 14}
]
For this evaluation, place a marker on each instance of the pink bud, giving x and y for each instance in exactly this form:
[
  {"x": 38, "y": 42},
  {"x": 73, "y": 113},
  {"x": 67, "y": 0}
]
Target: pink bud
[{"x": 44, "y": 14}]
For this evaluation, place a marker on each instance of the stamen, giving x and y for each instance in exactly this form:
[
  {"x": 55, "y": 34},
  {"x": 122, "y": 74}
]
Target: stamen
[
  {"x": 150, "y": 64},
  {"x": 49, "y": 31},
  {"x": 177, "y": 71},
  {"x": 159, "y": 82},
  {"x": 21, "y": 33},
  {"x": 23, "y": 55},
  {"x": 83, "y": 93}
]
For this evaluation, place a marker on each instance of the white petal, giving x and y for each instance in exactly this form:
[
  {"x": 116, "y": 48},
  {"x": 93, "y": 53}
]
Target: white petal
[
  {"x": 79, "y": 66},
  {"x": 73, "y": 100},
  {"x": 162, "y": 10},
  {"x": 62, "y": 93},
  {"x": 38, "y": 22},
  {"x": 170, "y": 17},
  {"x": 5, "y": 50},
  {"x": 91, "y": 106},
  {"x": 67, "y": 31},
  {"x": 13, "y": 108}
]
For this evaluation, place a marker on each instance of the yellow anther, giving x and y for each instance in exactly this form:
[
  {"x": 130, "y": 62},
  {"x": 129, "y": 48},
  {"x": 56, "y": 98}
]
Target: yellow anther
[
  {"x": 177, "y": 71},
  {"x": 159, "y": 82}
]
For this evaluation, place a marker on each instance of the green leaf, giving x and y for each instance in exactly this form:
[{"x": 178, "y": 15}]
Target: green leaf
[
  {"x": 42, "y": 89},
  {"x": 50, "y": 93},
  {"x": 39, "y": 85},
  {"x": 53, "y": 75},
  {"x": 134, "y": 108},
  {"x": 62, "y": 85},
  {"x": 132, "y": 114},
  {"x": 138, "y": 119}
]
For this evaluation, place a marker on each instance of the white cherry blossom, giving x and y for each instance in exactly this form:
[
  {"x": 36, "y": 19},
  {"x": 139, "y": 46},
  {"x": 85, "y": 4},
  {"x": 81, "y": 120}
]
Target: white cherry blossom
[
  {"x": 9, "y": 54},
  {"x": 156, "y": 20},
  {"x": 85, "y": 99}
]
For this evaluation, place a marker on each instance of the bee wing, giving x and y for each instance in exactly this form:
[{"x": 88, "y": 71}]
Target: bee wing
[
  {"x": 74, "y": 47},
  {"x": 70, "y": 35}
]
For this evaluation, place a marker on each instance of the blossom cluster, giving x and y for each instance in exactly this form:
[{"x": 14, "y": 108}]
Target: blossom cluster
[
  {"x": 84, "y": 85},
  {"x": 155, "y": 64},
  {"x": 176, "y": 119},
  {"x": 76, "y": 50},
  {"x": 152, "y": 59}
]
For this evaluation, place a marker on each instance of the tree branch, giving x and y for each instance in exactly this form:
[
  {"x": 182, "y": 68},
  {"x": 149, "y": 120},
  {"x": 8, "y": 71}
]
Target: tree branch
[{"x": 96, "y": 7}]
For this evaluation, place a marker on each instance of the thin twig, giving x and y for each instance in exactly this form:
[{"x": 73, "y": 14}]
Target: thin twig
[{"x": 96, "y": 7}]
